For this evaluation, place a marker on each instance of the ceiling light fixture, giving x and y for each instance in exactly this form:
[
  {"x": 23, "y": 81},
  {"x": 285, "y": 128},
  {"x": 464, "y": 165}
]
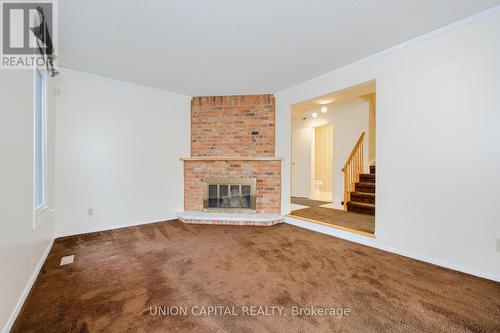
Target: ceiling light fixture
[
  {"x": 324, "y": 101},
  {"x": 314, "y": 115},
  {"x": 324, "y": 109}
]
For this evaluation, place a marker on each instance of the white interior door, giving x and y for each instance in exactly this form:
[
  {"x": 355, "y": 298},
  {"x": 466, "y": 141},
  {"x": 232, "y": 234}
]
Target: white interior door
[{"x": 301, "y": 162}]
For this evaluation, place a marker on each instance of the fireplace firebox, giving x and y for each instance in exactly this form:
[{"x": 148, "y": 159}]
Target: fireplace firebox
[{"x": 237, "y": 195}]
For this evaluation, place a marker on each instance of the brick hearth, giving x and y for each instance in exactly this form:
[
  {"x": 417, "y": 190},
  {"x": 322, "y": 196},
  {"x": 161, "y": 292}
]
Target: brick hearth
[
  {"x": 267, "y": 173},
  {"x": 233, "y": 137}
]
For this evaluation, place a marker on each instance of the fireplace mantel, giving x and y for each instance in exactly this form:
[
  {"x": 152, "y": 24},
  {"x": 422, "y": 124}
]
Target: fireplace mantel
[
  {"x": 216, "y": 158},
  {"x": 232, "y": 138}
]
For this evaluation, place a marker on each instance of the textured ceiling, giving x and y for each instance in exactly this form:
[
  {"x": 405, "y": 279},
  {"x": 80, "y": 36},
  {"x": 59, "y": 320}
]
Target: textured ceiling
[{"x": 223, "y": 47}]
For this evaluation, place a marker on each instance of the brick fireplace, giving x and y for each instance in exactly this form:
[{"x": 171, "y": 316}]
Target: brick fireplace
[{"x": 232, "y": 137}]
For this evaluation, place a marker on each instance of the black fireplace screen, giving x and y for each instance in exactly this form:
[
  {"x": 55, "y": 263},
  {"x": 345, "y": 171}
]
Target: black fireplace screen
[{"x": 230, "y": 193}]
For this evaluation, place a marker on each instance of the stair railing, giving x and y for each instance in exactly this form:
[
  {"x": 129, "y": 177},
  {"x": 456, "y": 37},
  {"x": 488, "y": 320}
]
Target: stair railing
[{"x": 353, "y": 167}]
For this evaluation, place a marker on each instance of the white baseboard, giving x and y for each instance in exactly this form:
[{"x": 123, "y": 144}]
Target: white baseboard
[
  {"x": 110, "y": 227},
  {"x": 26, "y": 291},
  {"x": 372, "y": 242}
]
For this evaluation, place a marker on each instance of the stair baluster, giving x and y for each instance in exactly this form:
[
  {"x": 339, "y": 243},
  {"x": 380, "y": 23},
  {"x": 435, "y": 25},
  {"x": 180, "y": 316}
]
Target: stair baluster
[{"x": 353, "y": 167}]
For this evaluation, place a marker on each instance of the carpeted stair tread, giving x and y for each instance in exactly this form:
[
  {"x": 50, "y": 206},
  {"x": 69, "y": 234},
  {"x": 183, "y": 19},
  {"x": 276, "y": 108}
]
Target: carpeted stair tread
[
  {"x": 364, "y": 194},
  {"x": 361, "y": 207},
  {"x": 367, "y": 178},
  {"x": 365, "y": 187},
  {"x": 361, "y": 204},
  {"x": 365, "y": 184},
  {"x": 364, "y": 197}
]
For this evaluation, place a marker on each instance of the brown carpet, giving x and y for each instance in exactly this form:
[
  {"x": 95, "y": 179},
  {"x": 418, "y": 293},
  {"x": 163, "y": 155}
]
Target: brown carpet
[
  {"x": 361, "y": 222},
  {"x": 307, "y": 202},
  {"x": 118, "y": 275}
]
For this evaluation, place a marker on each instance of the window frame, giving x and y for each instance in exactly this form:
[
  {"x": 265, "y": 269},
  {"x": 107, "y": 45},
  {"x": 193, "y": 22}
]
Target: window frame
[{"x": 39, "y": 101}]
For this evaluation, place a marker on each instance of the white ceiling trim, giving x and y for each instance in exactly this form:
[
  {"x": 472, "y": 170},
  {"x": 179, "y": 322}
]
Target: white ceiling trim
[
  {"x": 416, "y": 40},
  {"x": 100, "y": 77}
]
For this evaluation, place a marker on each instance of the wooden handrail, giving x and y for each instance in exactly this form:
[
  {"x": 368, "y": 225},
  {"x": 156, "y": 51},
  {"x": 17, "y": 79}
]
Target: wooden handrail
[
  {"x": 353, "y": 167},
  {"x": 356, "y": 146}
]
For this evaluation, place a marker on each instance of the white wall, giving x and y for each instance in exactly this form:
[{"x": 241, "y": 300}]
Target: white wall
[
  {"x": 349, "y": 120},
  {"x": 438, "y": 144},
  {"x": 22, "y": 247},
  {"x": 117, "y": 153},
  {"x": 302, "y": 138}
]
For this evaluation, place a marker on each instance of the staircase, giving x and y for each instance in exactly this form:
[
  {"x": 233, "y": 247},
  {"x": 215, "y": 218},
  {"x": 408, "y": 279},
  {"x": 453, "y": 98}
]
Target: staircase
[
  {"x": 359, "y": 187},
  {"x": 362, "y": 200}
]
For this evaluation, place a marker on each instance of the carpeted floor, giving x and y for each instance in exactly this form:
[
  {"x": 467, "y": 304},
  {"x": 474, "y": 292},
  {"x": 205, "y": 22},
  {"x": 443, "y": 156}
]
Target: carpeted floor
[
  {"x": 121, "y": 277},
  {"x": 307, "y": 202},
  {"x": 338, "y": 217}
]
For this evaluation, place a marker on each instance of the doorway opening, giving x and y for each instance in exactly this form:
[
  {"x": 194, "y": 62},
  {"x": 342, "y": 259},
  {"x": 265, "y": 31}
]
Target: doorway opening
[
  {"x": 333, "y": 159},
  {"x": 322, "y": 178}
]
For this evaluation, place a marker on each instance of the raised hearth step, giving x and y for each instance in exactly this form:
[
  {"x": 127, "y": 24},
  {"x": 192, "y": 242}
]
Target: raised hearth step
[{"x": 217, "y": 218}]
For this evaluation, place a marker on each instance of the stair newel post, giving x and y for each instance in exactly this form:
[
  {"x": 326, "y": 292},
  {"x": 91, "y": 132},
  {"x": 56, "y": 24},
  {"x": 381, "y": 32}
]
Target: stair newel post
[
  {"x": 359, "y": 164},
  {"x": 356, "y": 167},
  {"x": 351, "y": 179},
  {"x": 356, "y": 170},
  {"x": 353, "y": 167},
  {"x": 362, "y": 154},
  {"x": 348, "y": 185},
  {"x": 359, "y": 159},
  {"x": 348, "y": 172},
  {"x": 348, "y": 177}
]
